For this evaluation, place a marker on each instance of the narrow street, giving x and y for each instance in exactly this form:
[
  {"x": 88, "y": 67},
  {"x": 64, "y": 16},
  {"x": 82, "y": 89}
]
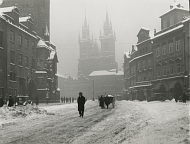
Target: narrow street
[{"x": 128, "y": 122}]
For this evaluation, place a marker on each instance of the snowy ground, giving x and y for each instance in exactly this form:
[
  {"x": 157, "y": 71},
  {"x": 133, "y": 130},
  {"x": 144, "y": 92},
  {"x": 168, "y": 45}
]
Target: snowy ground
[{"x": 129, "y": 122}]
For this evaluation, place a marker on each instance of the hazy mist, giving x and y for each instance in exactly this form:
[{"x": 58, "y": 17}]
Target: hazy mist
[{"x": 127, "y": 16}]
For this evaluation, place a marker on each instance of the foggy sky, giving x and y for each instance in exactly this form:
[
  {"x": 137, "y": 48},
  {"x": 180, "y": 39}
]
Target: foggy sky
[{"x": 127, "y": 16}]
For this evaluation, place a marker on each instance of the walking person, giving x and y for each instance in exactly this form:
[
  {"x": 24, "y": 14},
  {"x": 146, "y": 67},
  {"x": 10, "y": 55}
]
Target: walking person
[
  {"x": 81, "y": 102},
  {"x": 184, "y": 97},
  {"x": 10, "y": 104},
  {"x": 1, "y": 102}
]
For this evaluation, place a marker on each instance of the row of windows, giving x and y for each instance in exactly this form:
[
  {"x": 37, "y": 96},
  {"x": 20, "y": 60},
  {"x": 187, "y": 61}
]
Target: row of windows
[
  {"x": 21, "y": 40},
  {"x": 143, "y": 50},
  {"x": 171, "y": 48},
  {"x": 168, "y": 70},
  {"x": 144, "y": 63},
  {"x": 172, "y": 20},
  {"x": 144, "y": 77},
  {"x": 20, "y": 59}
]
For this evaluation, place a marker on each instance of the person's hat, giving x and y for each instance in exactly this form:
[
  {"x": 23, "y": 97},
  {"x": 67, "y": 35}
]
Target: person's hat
[{"x": 80, "y": 92}]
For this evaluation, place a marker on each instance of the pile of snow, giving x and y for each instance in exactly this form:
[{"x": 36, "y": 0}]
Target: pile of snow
[{"x": 20, "y": 111}]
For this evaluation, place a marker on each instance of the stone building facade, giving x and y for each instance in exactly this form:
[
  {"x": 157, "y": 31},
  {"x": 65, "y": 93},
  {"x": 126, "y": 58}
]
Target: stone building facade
[
  {"x": 163, "y": 70},
  {"x": 24, "y": 58},
  {"x": 39, "y": 10}
]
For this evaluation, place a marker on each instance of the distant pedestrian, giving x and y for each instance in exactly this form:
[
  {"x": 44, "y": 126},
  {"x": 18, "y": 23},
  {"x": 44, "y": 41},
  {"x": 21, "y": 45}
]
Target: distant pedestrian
[
  {"x": 10, "y": 102},
  {"x": 72, "y": 99},
  {"x": 81, "y": 102},
  {"x": 61, "y": 99},
  {"x": 102, "y": 102},
  {"x": 1, "y": 102},
  {"x": 66, "y": 99},
  {"x": 37, "y": 100},
  {"x": 184, "y": 97}
]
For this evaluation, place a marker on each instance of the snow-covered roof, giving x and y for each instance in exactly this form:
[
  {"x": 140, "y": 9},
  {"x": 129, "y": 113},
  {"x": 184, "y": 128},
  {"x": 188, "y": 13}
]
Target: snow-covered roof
[
  {"x": 104, "y": 73},
  {"x": 51, "y": 55},
  {"x": 25, "y": 19},
  {"x": 175, "y": 6},
  {"x": 127, "y": 54},
  {"x": 40, "y": 72},
  {"x": 41, "y": 43},
  {"x": 18, "y": 27},
  {"x": 168, "y": 31},
  {"x": 9, "y": 9},
  {"x": 134, "y": 49},
  {"x": 142, "y": 28},
  {"x": 60, "y": 75},
  {"x": 140, "y": 56}
]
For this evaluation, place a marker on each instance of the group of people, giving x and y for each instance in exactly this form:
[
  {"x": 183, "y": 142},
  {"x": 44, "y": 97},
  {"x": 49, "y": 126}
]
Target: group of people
[
  {"x": 9, "y": 102},
  {"x": 66, "y": 99},
  {"x": 182, "y": 98}
]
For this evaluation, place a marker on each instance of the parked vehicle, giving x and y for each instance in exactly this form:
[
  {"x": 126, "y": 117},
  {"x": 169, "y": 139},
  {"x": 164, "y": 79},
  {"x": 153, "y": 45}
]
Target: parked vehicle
[
  {"x": 109, "y": 99},
  {"x": 22, "y": 99}
]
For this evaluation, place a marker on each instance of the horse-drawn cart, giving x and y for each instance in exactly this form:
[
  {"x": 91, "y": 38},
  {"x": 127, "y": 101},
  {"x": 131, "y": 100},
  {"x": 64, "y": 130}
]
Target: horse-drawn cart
[{"x": 109, "y": 99}]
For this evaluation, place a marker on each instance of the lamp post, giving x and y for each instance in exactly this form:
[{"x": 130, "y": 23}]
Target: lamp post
[
  {"x": 185, "y": 77},
  {"x": 92, "y": 90}
]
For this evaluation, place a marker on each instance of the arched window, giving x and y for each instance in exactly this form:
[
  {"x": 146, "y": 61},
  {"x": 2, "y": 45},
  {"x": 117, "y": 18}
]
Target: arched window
[
  {"x": 158, "y": 71},
  {"x": 164, "y": 70},
  {"x": 171, "y": 68},
  {"x": 178, "y": 67}
]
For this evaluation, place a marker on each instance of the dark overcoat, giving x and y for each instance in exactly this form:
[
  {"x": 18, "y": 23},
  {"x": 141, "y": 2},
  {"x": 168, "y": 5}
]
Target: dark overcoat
[{"x": 81, "y": 102}]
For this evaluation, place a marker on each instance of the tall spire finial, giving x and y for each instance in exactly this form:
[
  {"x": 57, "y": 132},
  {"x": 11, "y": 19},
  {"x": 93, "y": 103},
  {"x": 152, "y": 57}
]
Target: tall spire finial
[
  {"x": 107, "y": 19},
  {"x": 85, "y": 21}
]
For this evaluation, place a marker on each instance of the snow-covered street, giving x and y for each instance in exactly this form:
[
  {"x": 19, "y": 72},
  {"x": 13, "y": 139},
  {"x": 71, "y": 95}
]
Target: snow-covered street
[{"x": 129, "y": 122}]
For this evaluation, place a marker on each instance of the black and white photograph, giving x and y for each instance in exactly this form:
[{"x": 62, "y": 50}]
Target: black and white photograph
[{"x": 94, "y": 71}]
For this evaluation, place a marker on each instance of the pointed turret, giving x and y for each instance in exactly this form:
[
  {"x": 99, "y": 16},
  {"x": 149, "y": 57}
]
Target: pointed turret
[
  {"x": 107, "y": 26},
  {"x": 46, "y": 34},
  {"x": 85, "y": 29},
  {"x": 85, "y": 22}
]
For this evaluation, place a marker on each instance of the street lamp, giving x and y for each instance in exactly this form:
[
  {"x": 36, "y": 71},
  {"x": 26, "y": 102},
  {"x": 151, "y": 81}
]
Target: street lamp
[
  {"x": 185, "y": 75},
  {"x": 92, "y": 90}
]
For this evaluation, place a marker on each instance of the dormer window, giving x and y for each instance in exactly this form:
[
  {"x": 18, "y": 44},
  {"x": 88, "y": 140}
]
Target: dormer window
[{"x": 164, "y": 24}]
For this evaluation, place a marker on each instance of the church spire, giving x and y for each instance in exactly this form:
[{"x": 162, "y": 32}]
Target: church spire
[
  {"x": 85, "y": 22},
  {"x": 85, "y": 29}
]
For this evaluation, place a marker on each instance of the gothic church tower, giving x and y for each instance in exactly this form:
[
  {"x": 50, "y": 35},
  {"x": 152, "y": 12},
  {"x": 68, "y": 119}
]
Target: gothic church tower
[{"x": 107, "y": 39}]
